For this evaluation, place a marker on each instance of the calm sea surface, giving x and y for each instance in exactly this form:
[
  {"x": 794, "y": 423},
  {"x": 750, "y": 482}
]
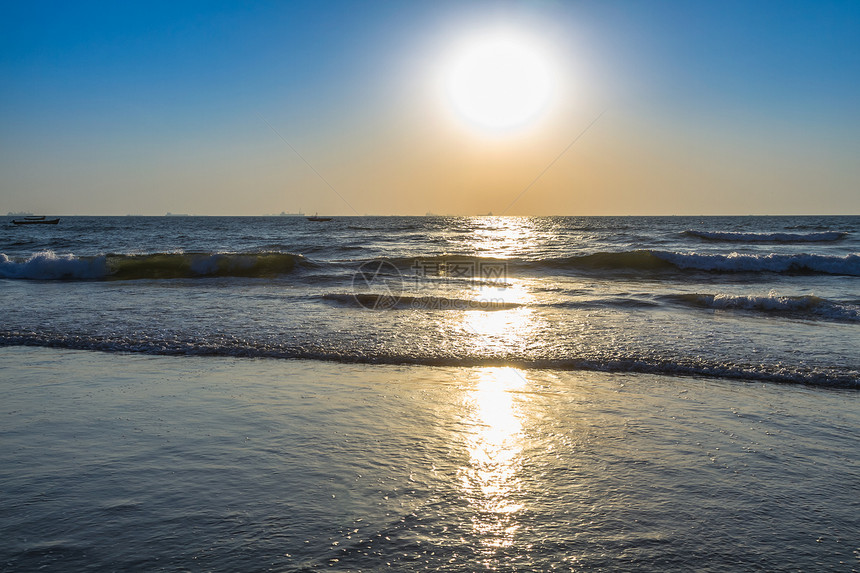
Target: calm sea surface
[
  {"x": 439, "y": 394},
  {"x": 756, "y": 298}
]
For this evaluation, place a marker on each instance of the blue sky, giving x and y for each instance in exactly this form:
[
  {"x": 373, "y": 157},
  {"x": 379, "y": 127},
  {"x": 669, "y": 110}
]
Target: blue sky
[{"x": 710, "y": 107}]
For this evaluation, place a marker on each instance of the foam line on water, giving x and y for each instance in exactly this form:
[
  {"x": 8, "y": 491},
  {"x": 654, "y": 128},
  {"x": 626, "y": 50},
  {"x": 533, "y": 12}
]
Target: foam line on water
[
  {"x": 803, "y": 306},
  {"x": 731, "y": 236},
  {"x": 832, "y": 377}
]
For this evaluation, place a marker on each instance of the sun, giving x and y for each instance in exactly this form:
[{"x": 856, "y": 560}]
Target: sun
[{"x": 498, "y": 81}]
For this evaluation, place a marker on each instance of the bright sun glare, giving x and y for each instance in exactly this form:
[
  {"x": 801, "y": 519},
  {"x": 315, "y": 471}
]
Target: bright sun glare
[{"x": 498, "y": 81}]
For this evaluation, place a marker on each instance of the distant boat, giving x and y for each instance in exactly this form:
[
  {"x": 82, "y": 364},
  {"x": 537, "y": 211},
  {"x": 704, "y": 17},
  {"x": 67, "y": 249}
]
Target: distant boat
[
  {"x": 318, "y": 218},
  {"x": 36, "y": 220}
]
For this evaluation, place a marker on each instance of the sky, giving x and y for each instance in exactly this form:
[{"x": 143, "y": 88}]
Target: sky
[{"x": 346, "y": 108}]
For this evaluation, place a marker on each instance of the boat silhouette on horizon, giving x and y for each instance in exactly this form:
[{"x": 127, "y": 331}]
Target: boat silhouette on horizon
[{"x": 36, "y": 220}]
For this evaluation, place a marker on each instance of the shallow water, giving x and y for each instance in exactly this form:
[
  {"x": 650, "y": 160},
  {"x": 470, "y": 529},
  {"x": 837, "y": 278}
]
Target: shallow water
[{"x": 133, "y": 462}]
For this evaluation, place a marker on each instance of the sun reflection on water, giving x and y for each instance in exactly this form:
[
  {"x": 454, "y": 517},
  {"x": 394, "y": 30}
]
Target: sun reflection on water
[
  {"x": 491, "y": 481},
  {"x": 504, "y": 335},
  {"x": 503, "y": 237},
  {"x": 501, "y": 333}
]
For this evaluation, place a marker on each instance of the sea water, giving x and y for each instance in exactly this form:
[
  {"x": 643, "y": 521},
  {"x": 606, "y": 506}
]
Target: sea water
[
  {"x": 442, "y": 394},
  {"x": 756, "y": 298},
  {"x": 134, "y": 462}
]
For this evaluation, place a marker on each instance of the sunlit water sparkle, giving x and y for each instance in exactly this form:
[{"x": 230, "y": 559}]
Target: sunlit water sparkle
[
  {"x": 626, "y": 394},
  {"x": 763, "y": 298},
  {"x": 141, "y": 463}
]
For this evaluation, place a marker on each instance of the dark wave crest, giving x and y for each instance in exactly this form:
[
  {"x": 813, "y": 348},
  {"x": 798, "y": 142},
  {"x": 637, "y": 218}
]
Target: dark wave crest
[
  {"x": 395, "y": 301},
  {"x": 803, "y": 306},
  {"x": 735, "y": 237},
  {"x": 50, "y": 266},
  {"x": 47, "y": 265},
  {"x": 643, "y": 260}
]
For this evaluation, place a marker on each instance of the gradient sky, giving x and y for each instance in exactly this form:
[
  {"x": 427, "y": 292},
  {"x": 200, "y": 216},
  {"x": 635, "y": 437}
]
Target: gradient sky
[{"x": 228, "y": 108}]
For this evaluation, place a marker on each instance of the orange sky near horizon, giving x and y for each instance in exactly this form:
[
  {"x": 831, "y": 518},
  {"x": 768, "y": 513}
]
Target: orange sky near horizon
[{"x": 257, "y": 110}]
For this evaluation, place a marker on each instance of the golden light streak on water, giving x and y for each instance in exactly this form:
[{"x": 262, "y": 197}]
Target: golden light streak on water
[
  {"x": 502, "y": 236},
  {"x": 494, "y": 333},
  {"x": 491, "y": 479}
]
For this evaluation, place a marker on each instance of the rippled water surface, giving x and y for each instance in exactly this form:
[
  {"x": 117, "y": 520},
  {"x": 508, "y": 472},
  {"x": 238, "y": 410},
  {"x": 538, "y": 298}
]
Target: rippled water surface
[
  {"x": 146, "y": 463},
  {"x": 430, "y": 393},
  {"x": 750, "y": 298}
]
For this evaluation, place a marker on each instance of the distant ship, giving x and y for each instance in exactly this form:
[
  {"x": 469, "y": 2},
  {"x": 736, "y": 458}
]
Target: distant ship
[
  {"x": 318, "y": 218},
  {"x": 36, "y": 220}
]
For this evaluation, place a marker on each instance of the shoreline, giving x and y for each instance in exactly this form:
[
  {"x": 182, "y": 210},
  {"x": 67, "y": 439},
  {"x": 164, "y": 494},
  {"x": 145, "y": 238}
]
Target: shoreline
[
  {"x": 846, "y": 383},
  {"x": 247, "y": 464}
]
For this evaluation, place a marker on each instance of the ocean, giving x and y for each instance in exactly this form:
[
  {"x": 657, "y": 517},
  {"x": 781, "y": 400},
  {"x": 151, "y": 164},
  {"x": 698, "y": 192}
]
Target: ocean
[
  {"x": 430, "y": 393},
  {"x": 751, "y": 298}
]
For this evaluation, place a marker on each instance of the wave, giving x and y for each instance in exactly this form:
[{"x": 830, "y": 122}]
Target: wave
[
  {"x": 47, "y": 265},
  {"x": 399, "y": 302},
  {"x": 497, "y": 269},
  {"x": 621, "y": 302},
  {"x": 489, "y": 268},
  {"x": 727, "y": 236},
  {"x": 834, "y": 377},
  {"x": 804, "y": 306},
  {"x": 773, "y": 263},
  {"x": 801, "y": 307}
]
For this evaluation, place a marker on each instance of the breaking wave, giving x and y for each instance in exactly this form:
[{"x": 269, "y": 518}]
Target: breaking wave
[
  {"x": 47, "y": 265},
  {"x": 634, "y": 261},
  {"x": 728, "y": 236},
  {"x": 835, "y": 377},
  {"x": 773, "y": 263},
  {"x": 805, "y": 306},
  {"x": 50, "y": 266}
]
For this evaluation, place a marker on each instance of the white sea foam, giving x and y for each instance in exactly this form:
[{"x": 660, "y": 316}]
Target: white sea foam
[
  {"x": 230, "y": 346},
  {"x": 767, "y": 237},
  {"x": 47, "y": 265},
  {"x": 804, "y": 306},
  {"x": 776, "y": 263}
]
